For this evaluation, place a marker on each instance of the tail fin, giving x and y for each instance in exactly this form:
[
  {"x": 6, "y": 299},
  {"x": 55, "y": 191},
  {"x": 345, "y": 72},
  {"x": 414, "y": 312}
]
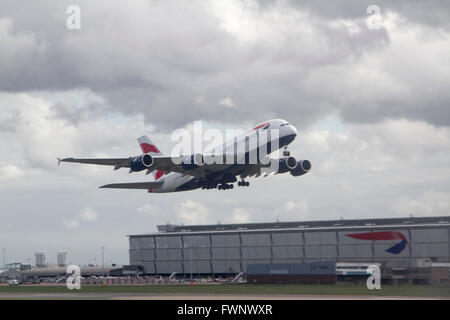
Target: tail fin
[{"x": 147, "y": 146}]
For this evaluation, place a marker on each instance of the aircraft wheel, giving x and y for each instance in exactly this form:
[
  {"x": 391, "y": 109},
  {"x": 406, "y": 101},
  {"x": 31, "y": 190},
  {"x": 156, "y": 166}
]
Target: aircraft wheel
[
  {"x": 243, "y": 183},
  {"x": 247, "y": 183},
  {"x": 286, "y": 153}
]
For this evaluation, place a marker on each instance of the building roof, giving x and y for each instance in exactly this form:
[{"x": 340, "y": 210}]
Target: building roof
[{"x": 318, "y": 224}]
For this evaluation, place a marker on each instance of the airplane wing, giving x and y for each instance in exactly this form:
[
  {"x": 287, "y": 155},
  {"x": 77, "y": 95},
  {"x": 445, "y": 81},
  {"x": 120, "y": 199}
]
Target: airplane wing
[
  {"x": 134, "y": 185},
  {"x": 117, "y": 162},
  {"x": 165, "y": 163},
  {"x": 182, "y": 164},
  {"x": 160, "y": 163}
]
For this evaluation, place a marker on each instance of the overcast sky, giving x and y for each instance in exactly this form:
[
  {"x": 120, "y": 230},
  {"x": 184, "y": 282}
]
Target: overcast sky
[{"x": 371, "y": 106}]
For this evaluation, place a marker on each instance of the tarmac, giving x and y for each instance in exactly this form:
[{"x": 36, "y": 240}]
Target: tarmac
[{"x": 158, "y": 296}]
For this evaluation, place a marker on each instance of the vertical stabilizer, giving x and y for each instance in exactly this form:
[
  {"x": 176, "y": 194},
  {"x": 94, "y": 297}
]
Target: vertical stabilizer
[{"x": 147, "y": 146}]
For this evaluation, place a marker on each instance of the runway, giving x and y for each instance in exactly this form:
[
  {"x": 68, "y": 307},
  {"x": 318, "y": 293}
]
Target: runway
[{"x": 159, "y": 296}]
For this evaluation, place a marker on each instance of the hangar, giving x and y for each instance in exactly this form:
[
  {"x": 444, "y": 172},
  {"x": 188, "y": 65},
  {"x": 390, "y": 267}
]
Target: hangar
[{"x": 227, "y": 249}]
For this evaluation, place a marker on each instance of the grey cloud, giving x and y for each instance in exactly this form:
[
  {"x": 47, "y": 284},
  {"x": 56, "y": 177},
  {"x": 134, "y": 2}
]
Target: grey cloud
[
  {"x": 157, "y": 57},
  {"x": 434, "y": 13}
]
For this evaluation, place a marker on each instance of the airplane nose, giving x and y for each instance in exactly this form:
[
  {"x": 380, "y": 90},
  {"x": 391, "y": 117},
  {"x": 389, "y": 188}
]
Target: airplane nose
[{"x": 293, "y": 130}]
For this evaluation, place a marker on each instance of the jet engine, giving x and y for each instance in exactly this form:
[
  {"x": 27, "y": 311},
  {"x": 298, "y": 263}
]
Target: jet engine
[
  {"x": 287, "y": 164},
  {"x": 303, "y": 166},
  {"x": 141, "y": 162}
]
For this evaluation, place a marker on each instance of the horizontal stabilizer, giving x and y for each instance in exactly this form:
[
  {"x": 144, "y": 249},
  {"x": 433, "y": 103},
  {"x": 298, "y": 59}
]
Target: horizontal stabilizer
[{"x": 134, "y": 185}]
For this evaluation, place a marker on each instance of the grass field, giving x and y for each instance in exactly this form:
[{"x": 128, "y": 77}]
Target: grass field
[{"x": 236, "y": 289}]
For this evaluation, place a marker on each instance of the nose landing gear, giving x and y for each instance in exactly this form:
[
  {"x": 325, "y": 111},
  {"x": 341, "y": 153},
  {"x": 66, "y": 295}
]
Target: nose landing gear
[
  {"x": 286, "y": 153},
  {"x": 243, "y": 183}
]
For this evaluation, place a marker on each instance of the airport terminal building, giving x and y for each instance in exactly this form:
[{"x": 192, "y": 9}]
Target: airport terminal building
[{"x": 226, "y": 250}]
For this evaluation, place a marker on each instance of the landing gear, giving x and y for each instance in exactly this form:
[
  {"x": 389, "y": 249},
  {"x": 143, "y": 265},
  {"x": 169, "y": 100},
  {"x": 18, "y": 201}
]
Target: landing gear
[
  {"x": 243, "y": 183},
  {"x": 209, "y": 187},
  {"x": 286, "y": 153},
  {"x": 221, "y": 182},
  {"x": 225, "y": 186}
]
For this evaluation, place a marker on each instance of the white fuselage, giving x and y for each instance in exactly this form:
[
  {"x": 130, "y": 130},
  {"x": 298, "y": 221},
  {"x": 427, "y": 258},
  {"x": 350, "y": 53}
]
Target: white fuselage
[{"x": 285, "y": 134}]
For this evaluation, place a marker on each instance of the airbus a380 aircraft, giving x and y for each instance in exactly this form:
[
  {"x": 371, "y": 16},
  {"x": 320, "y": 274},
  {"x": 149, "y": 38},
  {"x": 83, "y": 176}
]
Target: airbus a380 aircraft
[{"x": 190, "y": 172}]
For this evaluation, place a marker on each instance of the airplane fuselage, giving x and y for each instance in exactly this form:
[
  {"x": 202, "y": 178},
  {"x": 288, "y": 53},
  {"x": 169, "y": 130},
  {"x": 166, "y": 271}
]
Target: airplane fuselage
[
  {"x": 175, "y": 182},
  {"x": 244, "y": 155}
]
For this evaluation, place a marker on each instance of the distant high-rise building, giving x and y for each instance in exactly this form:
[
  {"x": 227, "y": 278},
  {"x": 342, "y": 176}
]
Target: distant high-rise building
[
  {"x": 41, "y": 259},
  {"x": 62, "y": 258}
]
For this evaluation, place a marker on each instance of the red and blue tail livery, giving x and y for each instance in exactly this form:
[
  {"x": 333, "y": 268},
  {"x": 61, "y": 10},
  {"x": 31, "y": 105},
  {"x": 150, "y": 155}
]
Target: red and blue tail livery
[
  {"x": 383, "y": 235},
  {"x": 147, "y": 146}
]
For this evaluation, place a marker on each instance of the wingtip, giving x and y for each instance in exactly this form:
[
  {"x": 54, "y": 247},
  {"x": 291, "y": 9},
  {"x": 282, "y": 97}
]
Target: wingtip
[{"x": 107, "y": 186}]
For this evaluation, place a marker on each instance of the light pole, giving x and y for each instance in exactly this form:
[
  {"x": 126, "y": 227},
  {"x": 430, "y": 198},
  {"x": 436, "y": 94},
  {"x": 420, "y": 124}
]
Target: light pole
[
  {"x": 103, "y": 259},
  {"x": 4, "y": 259},
  {"x": 191, "y": 264}
]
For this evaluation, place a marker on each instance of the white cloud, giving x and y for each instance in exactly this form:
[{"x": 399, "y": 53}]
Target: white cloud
[
  {"x": 227, "y": 102},
  {"x": 11, "y": 172},
  {"x": 88, "y": 214},
  {"x": 191, "y": 212},
  {"x": 229, "y": 201},
  {"x": 71, "y": 224},
  {"x": 147, "y": 209},
  {"x": 429, "y": 203},
  {"x": 388, "y": 147},
  {"x": 240, "y": 216},
  {"x": 295, "y": 210}
]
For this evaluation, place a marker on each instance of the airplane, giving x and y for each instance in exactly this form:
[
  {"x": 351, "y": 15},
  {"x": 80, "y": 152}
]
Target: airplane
[{"x": 190, "y": 172}]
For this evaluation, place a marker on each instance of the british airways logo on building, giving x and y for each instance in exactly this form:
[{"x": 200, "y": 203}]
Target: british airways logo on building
[{"x": 383, "y": 235}]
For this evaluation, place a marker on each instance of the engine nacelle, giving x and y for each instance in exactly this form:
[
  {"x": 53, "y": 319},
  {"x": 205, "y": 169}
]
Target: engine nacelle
[
  {"x": 142, "y": 162},
  {"x": 193, "y": 162},
  {"x": 287, "y": 164},
  {"x": 303, "y": 166}
]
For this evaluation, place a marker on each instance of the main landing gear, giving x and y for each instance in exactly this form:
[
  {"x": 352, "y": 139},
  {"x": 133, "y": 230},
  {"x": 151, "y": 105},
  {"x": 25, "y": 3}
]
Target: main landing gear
[
  {"x": 286, "y": 153},
  {"x": 243, "y": 183},
  {"x": 225, "y": 186}
]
